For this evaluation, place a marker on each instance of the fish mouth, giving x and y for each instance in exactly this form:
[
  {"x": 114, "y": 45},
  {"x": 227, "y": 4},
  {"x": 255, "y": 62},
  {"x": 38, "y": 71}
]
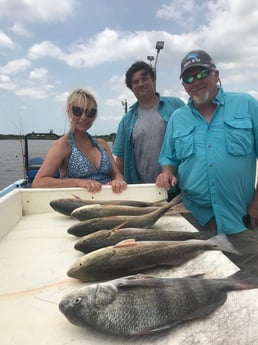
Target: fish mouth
[
  {"x": 78, "y": 245},
  {"x": 84, "y": 275},
  {"x": 74, "y": 271},
  {"x": 66, "y": 307},
  {"x": 63, "y": 306}
]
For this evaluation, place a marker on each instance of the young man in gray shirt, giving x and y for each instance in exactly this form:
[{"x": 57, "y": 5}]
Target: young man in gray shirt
[{"x": 141, "y": 130}]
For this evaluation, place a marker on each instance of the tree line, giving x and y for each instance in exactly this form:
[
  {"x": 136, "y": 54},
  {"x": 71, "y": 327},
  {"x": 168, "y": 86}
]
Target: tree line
[{"x": 107, "y": 137}]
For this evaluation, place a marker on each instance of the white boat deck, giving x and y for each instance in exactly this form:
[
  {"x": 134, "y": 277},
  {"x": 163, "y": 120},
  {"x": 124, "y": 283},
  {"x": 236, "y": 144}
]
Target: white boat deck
[{"x": 36, "y": 252}]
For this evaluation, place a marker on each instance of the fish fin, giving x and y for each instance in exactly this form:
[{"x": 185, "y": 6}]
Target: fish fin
[
  {"x": 147, "y": 280},
  {"x": 126, "y": 243},
  {"x": 177, "y": 199},
  {"x": 158, "y": 203},
  {"x": 105, "y": 294},
  {"x": 118, "y": 226},
  {"x": 76, "y": 196},
  {"x": 222, "y": 243},
  {"x": 197, "y": 275},
  {"x": 244, "y": 280},
  {"x": 148, "y": 331},
  {"x": 139, "y": 280},
  {"x": 179, "y": 208},
  {"x": 114, "y": 230}
]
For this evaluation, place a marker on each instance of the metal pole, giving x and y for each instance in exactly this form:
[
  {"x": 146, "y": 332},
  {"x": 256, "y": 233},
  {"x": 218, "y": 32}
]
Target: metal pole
[
  {"x": 150, "y": 58},
  {"x": 156, "y": 61},
  {"x": 124, "y": 104},
  {"x": 159, "y": 46}
]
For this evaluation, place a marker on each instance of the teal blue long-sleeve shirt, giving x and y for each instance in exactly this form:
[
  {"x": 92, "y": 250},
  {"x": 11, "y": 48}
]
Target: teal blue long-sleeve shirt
[
  {"x": 216, "y": 161},
  {"x": 123, "y": 145}
]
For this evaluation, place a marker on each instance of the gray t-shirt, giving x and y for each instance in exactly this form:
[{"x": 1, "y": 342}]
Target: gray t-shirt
[{"x": 147, "y": 140}]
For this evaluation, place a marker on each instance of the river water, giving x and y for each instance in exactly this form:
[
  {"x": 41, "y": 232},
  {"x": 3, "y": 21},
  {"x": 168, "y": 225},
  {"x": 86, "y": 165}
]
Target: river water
[{"x": 11, "y": 158}]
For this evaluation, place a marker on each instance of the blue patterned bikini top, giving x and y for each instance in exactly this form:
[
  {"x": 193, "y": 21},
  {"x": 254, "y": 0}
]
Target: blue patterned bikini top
[{"x": 79, "y": 166}]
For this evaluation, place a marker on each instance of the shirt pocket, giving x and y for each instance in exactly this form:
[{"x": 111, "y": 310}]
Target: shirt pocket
[
  {"x": 184, "y": 142},
  {"x": 239, "y": 137}
]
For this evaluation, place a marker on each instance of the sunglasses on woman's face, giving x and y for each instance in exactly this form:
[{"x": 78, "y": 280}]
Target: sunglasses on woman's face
[
  {"x": 189, "y": 79},
  {"x": 78, "y": 112}
]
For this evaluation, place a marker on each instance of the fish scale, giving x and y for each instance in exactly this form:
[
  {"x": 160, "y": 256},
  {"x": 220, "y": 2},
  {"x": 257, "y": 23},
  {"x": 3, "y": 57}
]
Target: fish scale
[
  {"x": 152, "y": 311},
  {"x": 96, "y": 211},
  {"x": 143, "y": 221},
  {"x": 105, "y": 238},
  {"x": 66, "y": 206},
  {"x": 138, "y": 305},
  {"x": 129, "y": 257}
]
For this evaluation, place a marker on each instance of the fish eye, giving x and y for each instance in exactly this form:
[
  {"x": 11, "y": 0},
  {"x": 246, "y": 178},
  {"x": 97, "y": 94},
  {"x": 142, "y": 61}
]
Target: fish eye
[{"x": 77, "y": 300}]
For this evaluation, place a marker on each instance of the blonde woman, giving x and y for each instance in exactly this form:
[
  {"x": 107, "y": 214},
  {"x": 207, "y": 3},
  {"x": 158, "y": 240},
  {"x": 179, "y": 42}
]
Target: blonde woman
[{"x": 82, "y": 160}]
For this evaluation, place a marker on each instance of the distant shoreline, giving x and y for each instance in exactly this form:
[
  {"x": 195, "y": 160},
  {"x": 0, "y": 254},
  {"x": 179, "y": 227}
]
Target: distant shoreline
[
  {"x": 109, "y": 137},
  {"x": 17, "y": 137}
]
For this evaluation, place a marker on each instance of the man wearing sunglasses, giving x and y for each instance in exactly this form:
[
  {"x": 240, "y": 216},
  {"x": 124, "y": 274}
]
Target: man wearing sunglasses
[
  {"x": 141, "y": 130},
  {"x": 210, "y": 150}
]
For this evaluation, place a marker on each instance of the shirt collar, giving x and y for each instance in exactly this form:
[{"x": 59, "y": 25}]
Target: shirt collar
[{"x": 161, "y": 100}]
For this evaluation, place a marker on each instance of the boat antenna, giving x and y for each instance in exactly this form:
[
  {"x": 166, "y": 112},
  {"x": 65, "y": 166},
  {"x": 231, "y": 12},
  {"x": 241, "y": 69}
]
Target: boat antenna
[{"x": 23, "y": 158}]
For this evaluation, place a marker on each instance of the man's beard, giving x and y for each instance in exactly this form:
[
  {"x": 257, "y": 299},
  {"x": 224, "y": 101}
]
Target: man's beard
[{"x": 203, "y": 100}]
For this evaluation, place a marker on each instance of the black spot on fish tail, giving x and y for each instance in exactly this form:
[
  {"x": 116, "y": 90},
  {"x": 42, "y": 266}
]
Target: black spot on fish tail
[{"x": 222, "y": 243}]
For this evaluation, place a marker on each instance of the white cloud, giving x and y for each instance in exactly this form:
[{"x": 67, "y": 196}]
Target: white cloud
[
  {"x": 45, "y": 48},
  {"x": 185, "y": 14},
  {"x": 5, "y": 41},
  {"x": 39, "y": 74},
  {"x": 15, "y": 66},
  {"x": 37, "y": 10},
  {"x": 62, "y": 97},
  {"x": 123, "y": 94},
  {"x": 41, "y": 92},
  {"x": 20, "y": 30},
  {"x": 6, "y": 83},
  {"x": 106, "y": 46}
]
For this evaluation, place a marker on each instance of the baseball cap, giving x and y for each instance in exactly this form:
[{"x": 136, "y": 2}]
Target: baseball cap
[{"x": 197, "y": 58}]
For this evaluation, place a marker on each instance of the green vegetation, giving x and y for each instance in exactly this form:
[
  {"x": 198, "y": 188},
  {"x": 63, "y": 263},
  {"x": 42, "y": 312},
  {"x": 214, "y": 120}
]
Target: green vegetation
[
  {"x": 108, "y": 137},
  {"x": 10, "y": 136}
]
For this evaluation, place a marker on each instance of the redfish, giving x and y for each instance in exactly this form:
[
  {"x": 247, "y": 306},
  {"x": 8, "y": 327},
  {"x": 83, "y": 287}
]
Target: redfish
[
  {"x": 143, "y": 221},
  {"x": 130, "y": 257},
  {"x": 66, "y": 206},
  {"x": 105, "y": 238}
]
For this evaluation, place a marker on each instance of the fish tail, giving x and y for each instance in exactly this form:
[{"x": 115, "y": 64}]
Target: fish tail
[
  {"x": 243, "y": 280},
  {"x": 177, "y": 199},
  {"x": 221, "y": 242}
]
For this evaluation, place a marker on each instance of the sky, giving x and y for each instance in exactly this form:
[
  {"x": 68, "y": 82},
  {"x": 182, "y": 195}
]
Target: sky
[{"x": 48, "y": 48}]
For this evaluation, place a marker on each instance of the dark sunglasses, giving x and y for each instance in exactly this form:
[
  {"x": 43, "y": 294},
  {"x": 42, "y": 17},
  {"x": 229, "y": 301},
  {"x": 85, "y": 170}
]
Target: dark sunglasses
[
  {"x": 90, "y": 113},
  {"x": 189, "y": 79}
]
